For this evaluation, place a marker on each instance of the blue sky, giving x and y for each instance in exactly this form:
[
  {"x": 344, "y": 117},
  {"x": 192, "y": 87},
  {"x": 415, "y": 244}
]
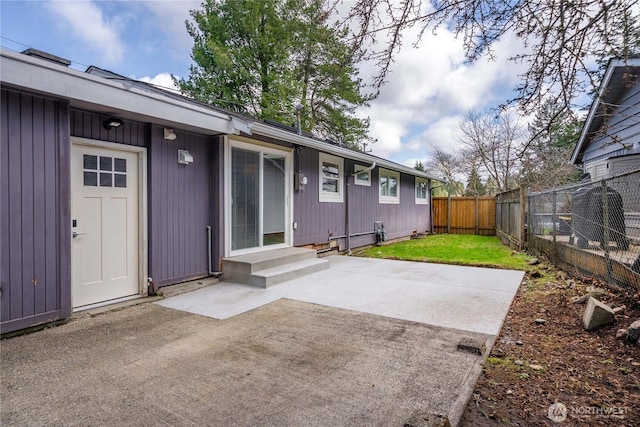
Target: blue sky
[{"x": 429, "y": 90}]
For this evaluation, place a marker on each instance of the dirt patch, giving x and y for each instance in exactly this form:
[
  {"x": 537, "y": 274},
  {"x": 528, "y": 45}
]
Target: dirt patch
[{"x": 534, "y": 365}]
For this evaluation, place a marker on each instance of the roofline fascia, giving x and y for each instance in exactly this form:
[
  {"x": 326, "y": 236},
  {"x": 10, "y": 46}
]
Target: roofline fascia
[
  {"x": 283, "y": 135},
  {"x": 613, "y": 64},
  {"x": 59, "y": 81}
]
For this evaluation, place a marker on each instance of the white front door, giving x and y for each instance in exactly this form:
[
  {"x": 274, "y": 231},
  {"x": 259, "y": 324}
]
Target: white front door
[{"x": 105, "y": 222}]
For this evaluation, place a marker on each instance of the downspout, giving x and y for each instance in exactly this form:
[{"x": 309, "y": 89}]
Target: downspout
[
  {"x": 346, "y": 208},
  {"x": 215, "y": 274},
  {"x": 346, "y": 214},
  {"x": 431, "y": 206}
]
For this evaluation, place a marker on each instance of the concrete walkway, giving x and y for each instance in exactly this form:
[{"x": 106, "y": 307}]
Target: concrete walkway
[{"x": 365, "y": 343}]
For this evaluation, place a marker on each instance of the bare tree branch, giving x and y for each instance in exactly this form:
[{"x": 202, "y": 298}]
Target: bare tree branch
[{"x": 562, "y": 39}]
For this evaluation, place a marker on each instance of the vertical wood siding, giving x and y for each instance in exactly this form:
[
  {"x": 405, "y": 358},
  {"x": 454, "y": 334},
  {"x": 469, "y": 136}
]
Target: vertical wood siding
[
  {"x": 34, "y": 272},
  {"x": 89, "y": 125},
  {"x": 179, "y": 196},
  {"x": 316, "y": 219},
  {"x": 179, "y": 208}
]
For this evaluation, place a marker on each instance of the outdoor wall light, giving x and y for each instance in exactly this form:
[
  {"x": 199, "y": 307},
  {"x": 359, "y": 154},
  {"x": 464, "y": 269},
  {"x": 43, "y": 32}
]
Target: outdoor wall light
[
  {"x": 169, "y": 134},
  {"x": 184, "y": 157},
  {"x": 112, "y": 123}
]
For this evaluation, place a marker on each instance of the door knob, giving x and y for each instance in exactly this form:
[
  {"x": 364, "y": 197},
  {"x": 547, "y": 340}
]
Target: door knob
[{"x": 74, "y": 234}]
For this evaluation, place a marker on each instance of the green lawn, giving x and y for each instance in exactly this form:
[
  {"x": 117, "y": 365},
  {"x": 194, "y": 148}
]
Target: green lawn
[{"x": 461, "y": 249}]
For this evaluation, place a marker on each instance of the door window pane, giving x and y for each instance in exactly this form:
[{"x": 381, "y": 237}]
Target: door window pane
[
  {"x": 274, "y": 199},
  {"x": 120, "y": 180},
  {"x": 120, "y": 165},
  {"x": 245, "y": 194},
  {"x": 90, "y": 162},
  {"x": 106, "y": 180},
  {"x": 106, "y": 163},
  {"x": 91, "y": 179}
]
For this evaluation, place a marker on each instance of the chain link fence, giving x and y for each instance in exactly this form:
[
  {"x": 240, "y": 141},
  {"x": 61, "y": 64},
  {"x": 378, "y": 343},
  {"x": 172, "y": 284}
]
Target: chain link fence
[{"x": 593, "y": 228}]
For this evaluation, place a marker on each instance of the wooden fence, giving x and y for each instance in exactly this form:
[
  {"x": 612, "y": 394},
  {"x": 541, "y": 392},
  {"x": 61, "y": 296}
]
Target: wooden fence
[
  {"x": 510, "y": 218},
  {"x": 464, "y": 215}
]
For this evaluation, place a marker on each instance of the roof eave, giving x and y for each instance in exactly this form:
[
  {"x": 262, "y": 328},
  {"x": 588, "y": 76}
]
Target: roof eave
[
  {"x": 283, "y": 135},
  {"x": 44, "y": 77},
  {"x": 595, "y": 105}
]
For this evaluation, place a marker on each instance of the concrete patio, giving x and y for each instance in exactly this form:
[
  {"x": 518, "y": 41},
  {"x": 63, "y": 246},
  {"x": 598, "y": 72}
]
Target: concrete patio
[
  {"x": 464, "y": 298},
  {"x": 366, "y": 342}
]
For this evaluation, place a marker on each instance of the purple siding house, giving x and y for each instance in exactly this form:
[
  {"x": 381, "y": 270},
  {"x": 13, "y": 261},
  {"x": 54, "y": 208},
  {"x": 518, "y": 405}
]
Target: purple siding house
[{"x": 111, "y": 188}]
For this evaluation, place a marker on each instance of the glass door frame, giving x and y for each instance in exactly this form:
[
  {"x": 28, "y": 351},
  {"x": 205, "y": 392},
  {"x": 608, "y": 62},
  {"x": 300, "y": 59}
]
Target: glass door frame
[{"x": 261, "y": 148}]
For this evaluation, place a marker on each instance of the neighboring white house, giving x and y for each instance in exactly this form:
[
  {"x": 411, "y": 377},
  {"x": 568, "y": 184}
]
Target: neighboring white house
[{"x": 610, "y": 140}]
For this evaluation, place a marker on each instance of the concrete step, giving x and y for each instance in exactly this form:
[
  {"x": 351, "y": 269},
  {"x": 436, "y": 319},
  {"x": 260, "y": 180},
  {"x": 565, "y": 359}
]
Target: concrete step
[
  {"x": 283, "y": 273},
  {"x": 243, "y": 268},
  {"x": 268, "y": 259}
]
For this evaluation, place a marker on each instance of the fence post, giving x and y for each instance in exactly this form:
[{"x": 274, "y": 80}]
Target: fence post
[
  {"x": 529, "y": 218},
  {"x": 554, "y": 218},
  {"x": 605, "y": 229},
  {"x": 449, "y": 214},
  {"x": 523, "y": 218},
  {"x": 477, "y": 216}
]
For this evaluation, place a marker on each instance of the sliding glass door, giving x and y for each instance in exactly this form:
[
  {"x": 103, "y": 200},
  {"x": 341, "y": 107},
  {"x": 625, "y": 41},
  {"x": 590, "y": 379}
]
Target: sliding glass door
[
  {"x": 259, "y": 199},
  {"x": 274, "y": 206},
  {"x": 245, "y": 196}
]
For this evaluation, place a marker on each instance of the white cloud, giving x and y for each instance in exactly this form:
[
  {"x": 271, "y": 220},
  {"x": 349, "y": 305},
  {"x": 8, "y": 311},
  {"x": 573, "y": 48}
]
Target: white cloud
[
  {"x": 163, "y": 80},
  {"x": 170, "y": 17},
  {"x": 429, "y": 90},
  {"x": 87, "y": 23}
]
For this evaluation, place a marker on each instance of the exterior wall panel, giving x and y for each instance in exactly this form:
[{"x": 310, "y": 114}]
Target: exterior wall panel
[
  {"x": 180, "y": 207},
  {"x": 619, "y": 132},
  {"x": 179, "y": 196},
  {"x": 34, "y": 271},
  {"x": 89, "y": 125},
  {"x": 316, "y": 219}
]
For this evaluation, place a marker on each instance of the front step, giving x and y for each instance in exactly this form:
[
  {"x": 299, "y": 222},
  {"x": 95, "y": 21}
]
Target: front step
[
  {"x": 271, "y": 267},
  {"x": 283, "y": 273}
]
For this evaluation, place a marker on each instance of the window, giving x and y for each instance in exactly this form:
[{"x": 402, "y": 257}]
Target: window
[
  {"x": 422, "y": 191},
  {"x": 104, "y": 171},
  {"x": 331, "y": 176},
  {"x": 362, "y": 178},
  {"x": 389, "y": 186}
]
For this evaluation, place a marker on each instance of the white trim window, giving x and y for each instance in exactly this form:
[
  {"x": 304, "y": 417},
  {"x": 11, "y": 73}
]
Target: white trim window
[
  {"x": 422, "y": 191},
  {"x": 362, "y": 178},
  {"x": 389, "y": 184},
  {"x": 331, "y": 177}
]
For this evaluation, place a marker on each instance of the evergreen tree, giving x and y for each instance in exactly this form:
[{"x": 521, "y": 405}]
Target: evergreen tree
[
  {"x": 475, "y": 186},
  {"x": 554, "y": 134},
  {"x": 265, "y": 57}
]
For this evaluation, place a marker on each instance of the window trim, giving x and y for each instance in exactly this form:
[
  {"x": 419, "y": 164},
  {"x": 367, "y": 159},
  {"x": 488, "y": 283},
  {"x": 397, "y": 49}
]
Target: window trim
[
  {"x": 326, "y": 196},
  {"x": 383, "y": 199},
  {"x": 356, "y": 170},
  {"x": 422, "y": 200}
]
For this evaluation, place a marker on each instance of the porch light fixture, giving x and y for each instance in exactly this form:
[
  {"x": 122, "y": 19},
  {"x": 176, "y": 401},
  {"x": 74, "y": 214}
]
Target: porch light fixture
[
  {"x": 112, "y": 123},
  {"x": 169, "y": 134},
  {"x": 184, "y": 157}
]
